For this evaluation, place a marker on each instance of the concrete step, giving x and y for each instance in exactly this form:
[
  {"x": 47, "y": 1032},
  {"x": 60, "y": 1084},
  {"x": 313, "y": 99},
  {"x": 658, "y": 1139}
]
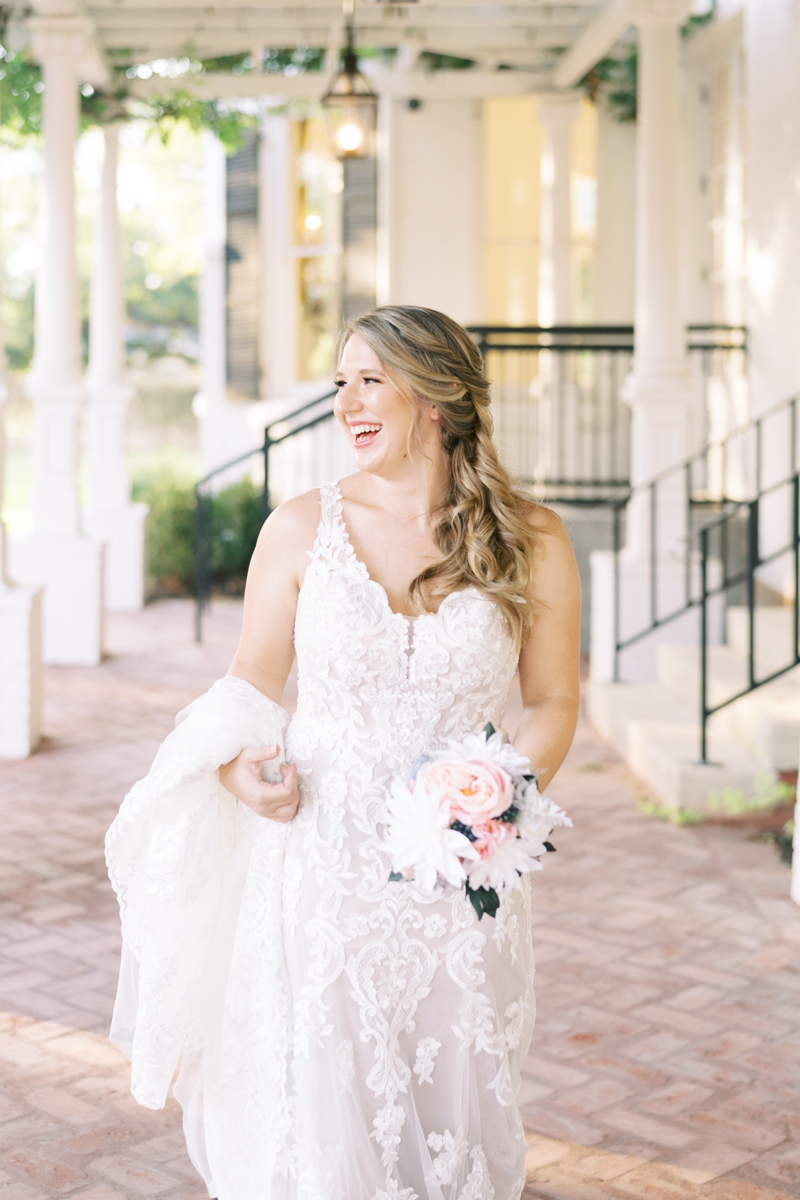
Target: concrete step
[
  {"x": 774, "y": 635},
  {"x": 766, "y": 721},
  {"x": 659, "y": 739}
]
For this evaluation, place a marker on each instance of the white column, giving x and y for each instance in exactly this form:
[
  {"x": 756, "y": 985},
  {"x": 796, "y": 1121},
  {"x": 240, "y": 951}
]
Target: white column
[
  {"x": 20, "y": 641},
  {"x": 614, "y": 268},
  {"x": 224, "y": 430},
  {"x": 556, "y": 114},
  {"x": 56, "y": 554},
  {"x": 109, "y": 516},
  {"x": 659, "y": 388}
]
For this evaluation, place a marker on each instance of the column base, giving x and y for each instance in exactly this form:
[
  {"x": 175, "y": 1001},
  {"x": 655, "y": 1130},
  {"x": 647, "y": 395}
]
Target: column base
[
  {"x": 20, "y": 671},
  {"x": 70, "y": 569},
  {"x": 122, "y": 530}
]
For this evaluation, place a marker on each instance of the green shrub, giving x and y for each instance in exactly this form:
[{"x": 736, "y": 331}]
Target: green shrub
[
  {"x": 235, "y": 524},
  {"x": 169, "y": 555},
  {"x": 169, "y": 533}
]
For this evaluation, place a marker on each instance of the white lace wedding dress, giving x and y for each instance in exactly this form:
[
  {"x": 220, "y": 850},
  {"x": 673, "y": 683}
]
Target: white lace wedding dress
[{"x": 358, "y": 1040}]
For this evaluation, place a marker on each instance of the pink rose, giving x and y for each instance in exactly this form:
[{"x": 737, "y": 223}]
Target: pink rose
[
  {"x": 475, "y": 788},
  {"x": 489, "y": 836}
]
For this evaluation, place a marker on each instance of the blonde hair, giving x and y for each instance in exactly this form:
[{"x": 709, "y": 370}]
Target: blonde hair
[{"x": 481, "y": 528}]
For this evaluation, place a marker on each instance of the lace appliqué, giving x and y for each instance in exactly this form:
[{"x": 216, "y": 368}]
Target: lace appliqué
[
  {"x": 387, "y": 1125},
  {"x": 450, "y": 1150},
  {"x": 320, "y": 1178},
  {"x": 292, "y": 878},
  {"x": 479, "y": 1184},
  {"x": 347, "y": 1070},
  {"x": 427, "y": 1049},
  {"x": 435, "y": 926},
  {"x": 506, "y": 928}
]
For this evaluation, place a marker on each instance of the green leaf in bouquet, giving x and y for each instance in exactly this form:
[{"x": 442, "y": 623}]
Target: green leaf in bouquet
[
  {"x": 549, "y": 846},
  {"x": 483, "y": 900},
  {"x": 489, "y": 729},
  {"x": 396, "y": 877}
]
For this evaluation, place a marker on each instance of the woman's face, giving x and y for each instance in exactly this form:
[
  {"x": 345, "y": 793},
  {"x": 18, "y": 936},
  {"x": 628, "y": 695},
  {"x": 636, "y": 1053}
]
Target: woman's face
[{"x": 377, "y": 418}]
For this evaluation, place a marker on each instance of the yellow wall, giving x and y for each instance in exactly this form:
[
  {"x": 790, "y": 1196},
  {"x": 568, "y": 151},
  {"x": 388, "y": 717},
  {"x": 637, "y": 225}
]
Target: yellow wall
[
  {"x": 512, "y": 149},
  {"x": 513, "y": 141},
  {"x": 316, "y": 189}
]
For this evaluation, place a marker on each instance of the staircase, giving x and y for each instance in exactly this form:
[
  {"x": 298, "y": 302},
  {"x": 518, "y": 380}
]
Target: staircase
[
  {"x": 713, "y": 609},
  {"x": 654, "y": 725}
]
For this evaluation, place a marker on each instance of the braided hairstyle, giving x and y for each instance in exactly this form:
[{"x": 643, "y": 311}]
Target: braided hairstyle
[{"x": 481, "y": 528}]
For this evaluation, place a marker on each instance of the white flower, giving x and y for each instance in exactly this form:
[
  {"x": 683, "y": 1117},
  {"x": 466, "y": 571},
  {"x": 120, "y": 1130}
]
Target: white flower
[
  {"x": 501, "y": 870},
  {"x": 502, "y": 752},
  {"x": 419, "y": 838},
  {"x": 530, "y": 799}
]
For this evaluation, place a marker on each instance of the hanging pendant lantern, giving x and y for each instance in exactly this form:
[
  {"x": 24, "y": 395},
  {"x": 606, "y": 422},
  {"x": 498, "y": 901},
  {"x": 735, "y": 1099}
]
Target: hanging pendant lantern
[{"x": 351, "y": 107}]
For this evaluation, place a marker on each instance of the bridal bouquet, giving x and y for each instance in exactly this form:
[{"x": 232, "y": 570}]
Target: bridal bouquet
[{"x": 470, "y": 816}]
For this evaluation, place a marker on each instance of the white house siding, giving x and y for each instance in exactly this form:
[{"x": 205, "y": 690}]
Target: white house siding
[{"x": 772, "y": 54}]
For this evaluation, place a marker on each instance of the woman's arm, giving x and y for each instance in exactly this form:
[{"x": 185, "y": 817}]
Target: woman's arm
[
  {"x": 265, "y": 652},
  {"x": 549, "y": 665}
]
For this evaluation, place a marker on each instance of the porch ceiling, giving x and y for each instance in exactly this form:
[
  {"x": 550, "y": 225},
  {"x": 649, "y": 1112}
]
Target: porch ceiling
[{"x": 528, "y": 35}]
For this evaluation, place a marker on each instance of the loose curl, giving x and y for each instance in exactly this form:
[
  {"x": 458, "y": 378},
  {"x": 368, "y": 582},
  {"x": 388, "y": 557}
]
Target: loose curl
[{"x": 481, "y": 527}]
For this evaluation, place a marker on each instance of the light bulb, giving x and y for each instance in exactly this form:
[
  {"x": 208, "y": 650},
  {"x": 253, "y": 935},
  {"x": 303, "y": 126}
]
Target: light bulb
[
  {"x": 349, "y": 137},
  {"x": 313, "y": 221}
]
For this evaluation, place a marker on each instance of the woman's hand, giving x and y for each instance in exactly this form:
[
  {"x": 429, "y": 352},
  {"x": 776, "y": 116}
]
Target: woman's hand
[{"x": 242, "y": 777}]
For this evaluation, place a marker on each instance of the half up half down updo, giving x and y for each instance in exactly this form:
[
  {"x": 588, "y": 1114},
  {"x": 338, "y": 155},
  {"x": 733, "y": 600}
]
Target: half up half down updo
[{"x": 481, "y": 528}]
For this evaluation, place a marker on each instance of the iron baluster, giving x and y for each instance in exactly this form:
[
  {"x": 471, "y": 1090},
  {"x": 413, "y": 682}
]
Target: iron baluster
[
  {"x": 687, "y": 573},
  {"x": 653, "y": 563},
  {"x": 703, "y": 645},
  {"x": 796, "y": 559},
  {"x": 265, "y": 449},
  {"x": 752, "y": 564},
  {"x": 616, "y": 591}
]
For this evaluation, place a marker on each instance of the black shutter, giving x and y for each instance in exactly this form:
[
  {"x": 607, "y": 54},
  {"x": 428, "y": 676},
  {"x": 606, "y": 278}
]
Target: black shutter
[
  {"x": 242, "y": 275},
  {"x": 359, "y": 223}
]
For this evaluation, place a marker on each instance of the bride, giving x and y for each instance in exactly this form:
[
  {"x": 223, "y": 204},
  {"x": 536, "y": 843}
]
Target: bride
[{"x": 342, "y": 1036}]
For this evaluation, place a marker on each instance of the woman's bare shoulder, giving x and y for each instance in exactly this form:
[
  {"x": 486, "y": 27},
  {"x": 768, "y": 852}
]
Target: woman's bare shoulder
[
  {"x": 543, "y": 520},
  {"x": 295, "y": 519}
]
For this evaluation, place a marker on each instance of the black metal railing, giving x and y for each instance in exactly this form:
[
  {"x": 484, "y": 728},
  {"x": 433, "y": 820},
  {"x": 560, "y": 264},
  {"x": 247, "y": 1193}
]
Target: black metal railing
[
  {"x": 293, "y": 423},
  {"x": 738, "y": 500},
  {"x": 561, "y": 421}
]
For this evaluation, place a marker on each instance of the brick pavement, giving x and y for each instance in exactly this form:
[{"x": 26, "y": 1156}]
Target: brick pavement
[{"x": 666, "y": 1056}]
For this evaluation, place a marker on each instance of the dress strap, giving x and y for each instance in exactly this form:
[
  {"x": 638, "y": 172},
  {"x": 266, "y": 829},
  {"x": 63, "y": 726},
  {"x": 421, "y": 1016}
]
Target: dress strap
[{"x": 331, "y": 532}]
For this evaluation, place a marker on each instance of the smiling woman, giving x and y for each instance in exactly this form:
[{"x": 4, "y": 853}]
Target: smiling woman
[
  {"x": 480, "y": 526},
  {"x": 343, "y": 1033}
]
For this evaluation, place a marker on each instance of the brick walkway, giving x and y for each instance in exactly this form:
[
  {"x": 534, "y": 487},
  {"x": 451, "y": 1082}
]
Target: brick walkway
[{"x": 666, "y": 1058}]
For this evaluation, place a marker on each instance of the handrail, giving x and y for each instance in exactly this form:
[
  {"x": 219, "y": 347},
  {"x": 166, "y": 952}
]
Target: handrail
[
  {"x": 274, "y": 435},
  {"x": 747, "y": 575},
  {"x": 572, "y": 337},
  {"x": 748, "y": 508}
]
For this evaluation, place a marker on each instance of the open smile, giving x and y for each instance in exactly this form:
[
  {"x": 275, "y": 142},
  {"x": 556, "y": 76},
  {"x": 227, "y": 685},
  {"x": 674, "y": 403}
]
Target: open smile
[{"x": 364, "y": 435}]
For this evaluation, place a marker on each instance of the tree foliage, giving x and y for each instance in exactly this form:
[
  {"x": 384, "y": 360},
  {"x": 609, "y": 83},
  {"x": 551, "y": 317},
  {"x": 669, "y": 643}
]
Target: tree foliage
[
  {"x": 613, "y": 80},
  {"x": 21, "y": 88},
  {"x": 20, "y": 97}
]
